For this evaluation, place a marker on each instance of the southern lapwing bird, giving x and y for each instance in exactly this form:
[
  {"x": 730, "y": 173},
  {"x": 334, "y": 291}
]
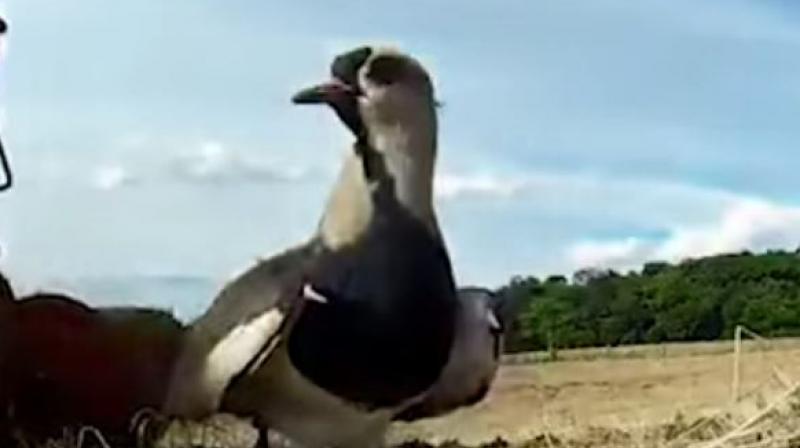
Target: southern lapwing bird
[
  {"x": 474, "y": 358},
  {"x": 470, "y": 370},
  {"x": 328, "y": 341}
]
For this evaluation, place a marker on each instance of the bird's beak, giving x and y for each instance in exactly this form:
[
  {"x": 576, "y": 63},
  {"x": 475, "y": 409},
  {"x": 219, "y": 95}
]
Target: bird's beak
[{"x": 330, "y": 92}]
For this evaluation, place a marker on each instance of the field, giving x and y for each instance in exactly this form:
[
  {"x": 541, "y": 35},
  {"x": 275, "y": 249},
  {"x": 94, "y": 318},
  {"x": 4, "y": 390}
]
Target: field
[
  {"x": 665, "y": 396},
  {"x": 635, "y": 396}
]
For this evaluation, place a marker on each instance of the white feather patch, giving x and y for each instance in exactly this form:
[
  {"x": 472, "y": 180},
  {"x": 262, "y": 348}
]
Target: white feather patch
[
  {"x": 232, "y": 354},
  {"x": 309, "y": 293},
  {"x": 494, "y": 323}
]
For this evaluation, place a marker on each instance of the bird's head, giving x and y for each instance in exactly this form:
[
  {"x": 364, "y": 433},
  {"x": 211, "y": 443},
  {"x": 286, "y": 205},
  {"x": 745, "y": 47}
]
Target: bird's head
[
  {"x": 386, "y": 99},
  {"x": 372, "y": 88}
]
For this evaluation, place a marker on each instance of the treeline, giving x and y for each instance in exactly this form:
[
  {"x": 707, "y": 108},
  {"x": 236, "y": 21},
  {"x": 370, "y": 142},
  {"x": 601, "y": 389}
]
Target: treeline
[{"x": 698, "y": 299}]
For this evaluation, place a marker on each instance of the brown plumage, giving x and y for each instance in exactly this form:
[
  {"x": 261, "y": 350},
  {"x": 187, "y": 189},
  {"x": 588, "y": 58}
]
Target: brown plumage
[
  {"x": 6, "y": 304},
  {"x": 66, "y": 364}
]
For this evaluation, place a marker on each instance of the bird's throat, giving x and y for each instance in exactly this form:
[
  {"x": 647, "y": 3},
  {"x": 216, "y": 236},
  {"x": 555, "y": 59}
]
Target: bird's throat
[{"x": 378, "y": 175}]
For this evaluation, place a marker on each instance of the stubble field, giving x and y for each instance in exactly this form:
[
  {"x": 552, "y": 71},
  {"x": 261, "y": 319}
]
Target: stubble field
[{"x": 636, "y": 396}]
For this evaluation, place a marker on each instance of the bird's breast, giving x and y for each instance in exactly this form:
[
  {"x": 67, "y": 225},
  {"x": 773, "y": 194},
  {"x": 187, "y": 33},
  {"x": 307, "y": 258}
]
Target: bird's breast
[
  {"x": 386, "y": 330},
  {"x": 282, "y": 398}
]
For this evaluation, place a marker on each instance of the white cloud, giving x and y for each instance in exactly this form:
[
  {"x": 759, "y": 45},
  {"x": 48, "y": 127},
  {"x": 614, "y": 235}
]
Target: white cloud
[
  {"x": 618, "y": 253},
  {"x": 751, "y": 224},
  {"x": 747, "y": 224},
  {"x": 111, "y": 177},
  {"x": 214, "y": 163},
  {"x": 452, "y": 186},
  {"x": 605, "y": 197},
  {"x": 690, "y": 220}
]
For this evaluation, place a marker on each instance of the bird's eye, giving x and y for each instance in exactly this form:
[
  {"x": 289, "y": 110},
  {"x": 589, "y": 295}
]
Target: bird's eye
[{"x": 385, "y": 70}]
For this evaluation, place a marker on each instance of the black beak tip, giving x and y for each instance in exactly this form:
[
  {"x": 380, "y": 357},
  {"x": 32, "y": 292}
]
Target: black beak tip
[
  {"x": 298, "y": 98},
  {"x": 3, "y": 26},
  {"x": 326, "y": 93},
  {"x": 308, "y": 96}
]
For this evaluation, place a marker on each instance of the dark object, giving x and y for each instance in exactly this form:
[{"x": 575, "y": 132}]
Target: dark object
[
  {"x": 342, "y": 92},
  {"x": 64, "y": 364},
  {"x": 8, "y": 180},
  {"x": 474, "y": 358}
]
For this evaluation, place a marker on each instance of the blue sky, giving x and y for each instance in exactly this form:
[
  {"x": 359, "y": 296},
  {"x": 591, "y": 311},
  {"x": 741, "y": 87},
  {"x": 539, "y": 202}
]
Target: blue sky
[{"x": 154, "y": 141}]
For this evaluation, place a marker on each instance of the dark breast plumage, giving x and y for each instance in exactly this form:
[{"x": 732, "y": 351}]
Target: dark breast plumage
[{"x": 386, "y": 331}]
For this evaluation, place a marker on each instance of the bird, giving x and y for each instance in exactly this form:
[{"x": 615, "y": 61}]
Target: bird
[
  {"x": 89, "y": 366},
  {"x": 473, "y": 362},
  {"x": 329, "y": 340},
  {"x": 470, "y": 370},
  {"x": 6, "y": 307}
]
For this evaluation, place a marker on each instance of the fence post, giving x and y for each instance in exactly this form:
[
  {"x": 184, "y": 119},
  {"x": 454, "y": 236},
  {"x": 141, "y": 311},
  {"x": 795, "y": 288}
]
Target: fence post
[{"x": 737, "y": 350}]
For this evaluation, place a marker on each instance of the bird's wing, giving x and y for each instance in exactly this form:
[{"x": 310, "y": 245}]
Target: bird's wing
[
  {"x": 473, "y": 360},
  {"x": 238, "y": 332}
]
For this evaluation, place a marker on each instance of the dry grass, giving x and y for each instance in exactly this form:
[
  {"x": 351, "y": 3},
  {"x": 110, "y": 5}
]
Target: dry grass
[
  {"x": 600, "y": 398},
  {"x": 651, "y": 394},
  {"x": 653, "y": 351}
]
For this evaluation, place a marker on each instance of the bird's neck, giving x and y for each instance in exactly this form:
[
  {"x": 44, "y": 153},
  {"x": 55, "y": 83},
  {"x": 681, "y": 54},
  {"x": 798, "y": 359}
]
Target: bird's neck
[{"x": 395, "y": 162}]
